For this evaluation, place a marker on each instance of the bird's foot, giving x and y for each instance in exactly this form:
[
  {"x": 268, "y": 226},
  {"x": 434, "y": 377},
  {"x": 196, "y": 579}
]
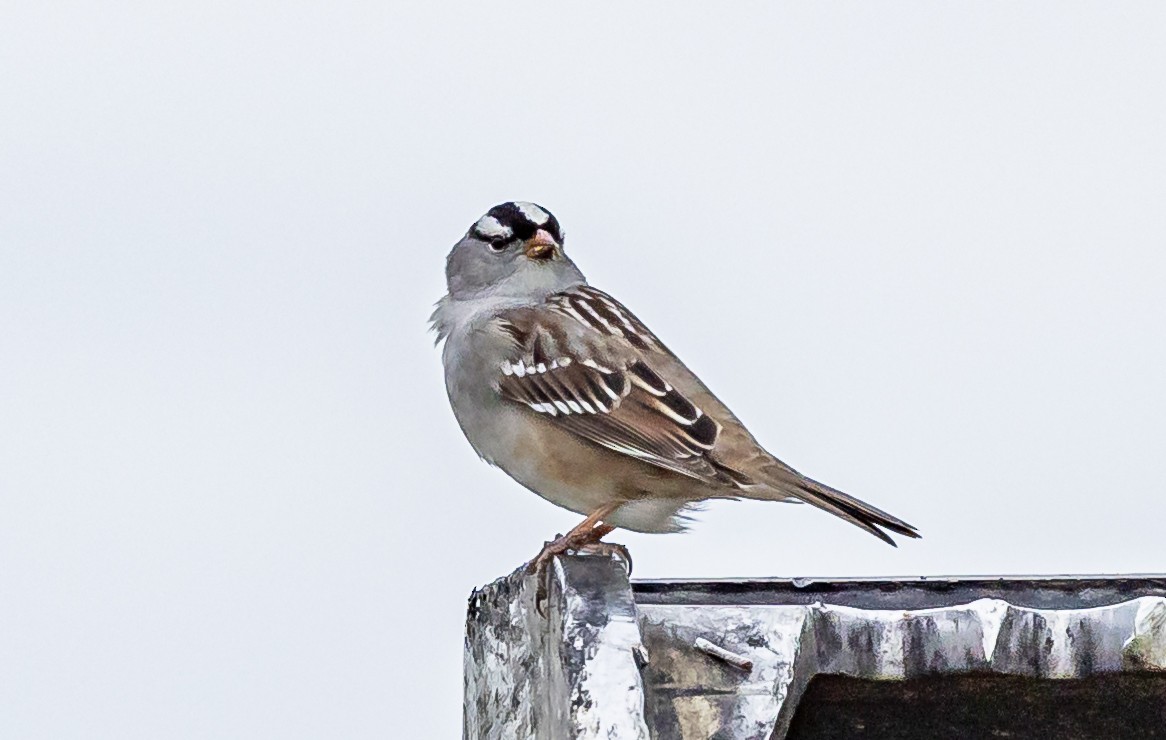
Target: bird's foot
[
  {"x": 582, "y": 542},
  {"x": 573, "y": 540}
]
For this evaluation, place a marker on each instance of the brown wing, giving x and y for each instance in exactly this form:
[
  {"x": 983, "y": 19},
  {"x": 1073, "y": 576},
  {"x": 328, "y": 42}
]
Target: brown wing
[
  {"x": 606, "y": 377},
  {"x": 582, "y": 365}
]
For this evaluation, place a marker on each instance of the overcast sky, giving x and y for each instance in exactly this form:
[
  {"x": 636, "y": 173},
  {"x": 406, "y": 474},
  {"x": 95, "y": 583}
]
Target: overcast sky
[{"x": 919, "y": 248}]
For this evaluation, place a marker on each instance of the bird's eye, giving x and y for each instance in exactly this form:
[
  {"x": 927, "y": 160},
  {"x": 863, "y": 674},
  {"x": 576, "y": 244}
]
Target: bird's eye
[{"x": 492, "y": 231}]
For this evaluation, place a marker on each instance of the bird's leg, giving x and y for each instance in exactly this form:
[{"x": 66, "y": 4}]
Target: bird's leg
[
  {"x": 584, "y": 537},
  {"x": 587, "y": 532}
]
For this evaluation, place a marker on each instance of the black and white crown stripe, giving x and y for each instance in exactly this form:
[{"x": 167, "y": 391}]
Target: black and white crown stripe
[
  {"x": 492, "y": 229},
  {"x": 516, "y": 220},
  {"x": 533, "y": 212}
]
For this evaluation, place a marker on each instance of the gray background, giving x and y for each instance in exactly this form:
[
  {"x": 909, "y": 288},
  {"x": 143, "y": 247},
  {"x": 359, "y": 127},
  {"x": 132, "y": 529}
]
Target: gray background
[{"x": 918, "y": 247}]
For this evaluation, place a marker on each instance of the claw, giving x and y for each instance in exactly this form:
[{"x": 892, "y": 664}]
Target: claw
[
  {"x": 540, "y": 568},
  {"x": 541, "y": 593},
  {"x": 609, "y": 549},
  {"x": 626, "y": 555}
]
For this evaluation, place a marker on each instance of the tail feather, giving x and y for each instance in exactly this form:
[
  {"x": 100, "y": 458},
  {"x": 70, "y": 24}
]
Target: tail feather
[{"x": 843, "y": 505}]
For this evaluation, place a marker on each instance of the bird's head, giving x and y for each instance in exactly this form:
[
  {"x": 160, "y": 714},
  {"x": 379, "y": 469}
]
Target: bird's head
[{"x": 515, "y": 249}]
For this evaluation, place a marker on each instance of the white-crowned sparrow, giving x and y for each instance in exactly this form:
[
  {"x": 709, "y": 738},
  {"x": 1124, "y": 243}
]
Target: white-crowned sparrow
[{"x": 558, "y": 384}]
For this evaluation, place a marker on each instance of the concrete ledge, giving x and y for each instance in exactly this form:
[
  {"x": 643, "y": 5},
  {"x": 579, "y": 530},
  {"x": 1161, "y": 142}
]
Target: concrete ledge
[
  {"x": 570, "y": 674},
  {"x": 734, "y": 659}
]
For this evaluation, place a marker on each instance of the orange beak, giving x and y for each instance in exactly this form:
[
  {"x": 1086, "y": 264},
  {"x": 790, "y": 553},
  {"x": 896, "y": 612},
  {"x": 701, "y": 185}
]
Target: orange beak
[{"x": 541, "y": 246}]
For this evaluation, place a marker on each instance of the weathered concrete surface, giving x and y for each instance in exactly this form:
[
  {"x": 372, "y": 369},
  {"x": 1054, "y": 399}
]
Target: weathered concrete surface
[
  {"x": 734, "y": 660},
  {"x": 692, "y": 695},
  {"x": 570, "y": 674}
]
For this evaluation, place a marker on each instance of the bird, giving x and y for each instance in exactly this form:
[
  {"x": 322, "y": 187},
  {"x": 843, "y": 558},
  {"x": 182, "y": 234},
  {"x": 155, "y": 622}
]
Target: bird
[{"x": 562, "y": 387}]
